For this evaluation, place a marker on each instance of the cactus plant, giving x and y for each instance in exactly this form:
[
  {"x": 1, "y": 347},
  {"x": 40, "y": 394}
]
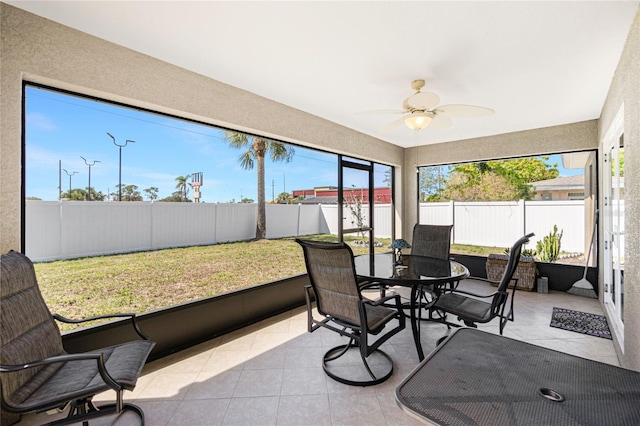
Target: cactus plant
[{"x": 548, "y": 248}]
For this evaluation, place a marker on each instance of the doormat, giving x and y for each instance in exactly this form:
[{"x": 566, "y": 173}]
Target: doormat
[{"x": 580, "y": 322}]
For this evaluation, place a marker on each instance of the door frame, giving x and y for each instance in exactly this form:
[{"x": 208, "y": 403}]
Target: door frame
[
  {"x": 347, "y": 164},
  {"x": 612, "y": 291}
]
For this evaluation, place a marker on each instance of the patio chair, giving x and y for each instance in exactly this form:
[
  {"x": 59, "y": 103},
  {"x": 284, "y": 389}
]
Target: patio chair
[
  {"x": 36, "y": 374},
  {"x": 470, "y": 308},
  {"x": 431, "y": 241},
  {"x": 346, "y": 311}
]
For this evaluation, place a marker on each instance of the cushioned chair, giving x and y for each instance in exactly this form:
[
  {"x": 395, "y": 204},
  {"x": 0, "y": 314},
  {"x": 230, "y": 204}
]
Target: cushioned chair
[
  {"x": 36, "y": 374},
  {"x": 472, "y": 308},
  {"x": 346, "y": 311}
]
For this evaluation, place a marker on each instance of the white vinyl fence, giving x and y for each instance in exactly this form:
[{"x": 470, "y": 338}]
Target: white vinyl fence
[
  {"x": 71, "y": 229},
  {"x": 500, "y": 223}
]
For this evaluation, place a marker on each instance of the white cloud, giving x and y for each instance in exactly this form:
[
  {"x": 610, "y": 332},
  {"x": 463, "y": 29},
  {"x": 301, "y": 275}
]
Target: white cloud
[{"x": 40, "y": 121}]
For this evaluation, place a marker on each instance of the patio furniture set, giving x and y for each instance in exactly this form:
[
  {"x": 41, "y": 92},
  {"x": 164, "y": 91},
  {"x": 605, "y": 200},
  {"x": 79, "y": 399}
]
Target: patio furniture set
[{"x": 472, "y": 378}]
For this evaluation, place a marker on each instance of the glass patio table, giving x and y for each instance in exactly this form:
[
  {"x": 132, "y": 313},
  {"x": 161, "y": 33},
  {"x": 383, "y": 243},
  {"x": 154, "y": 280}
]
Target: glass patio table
[{"x": 415, "y": 272}]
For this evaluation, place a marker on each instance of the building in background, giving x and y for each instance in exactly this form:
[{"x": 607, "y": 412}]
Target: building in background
[
  {"x": 329, "y": 195},
  {"x": 560, "y": 188}
]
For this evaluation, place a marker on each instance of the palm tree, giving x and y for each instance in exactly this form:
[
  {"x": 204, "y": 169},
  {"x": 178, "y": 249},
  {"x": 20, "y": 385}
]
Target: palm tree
[
  {"x": 182, "y": 186},
  {"x": 255, "y": 150}
]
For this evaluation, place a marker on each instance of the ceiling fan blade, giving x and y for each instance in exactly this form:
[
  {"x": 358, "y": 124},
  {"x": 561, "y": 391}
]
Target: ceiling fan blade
[
  {"x": 440, "y": 122},
  {"x": 423, "y": 100},
  {"x": 393, "y": 124},
  {"x": 463, "y": 111}
]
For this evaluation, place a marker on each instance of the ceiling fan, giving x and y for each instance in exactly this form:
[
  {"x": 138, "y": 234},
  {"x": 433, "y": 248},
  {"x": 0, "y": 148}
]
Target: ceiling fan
[{"x": 421, "y": 110}]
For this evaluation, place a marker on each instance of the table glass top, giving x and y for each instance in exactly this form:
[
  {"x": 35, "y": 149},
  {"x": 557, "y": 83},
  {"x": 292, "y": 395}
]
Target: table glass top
[{"x": 382, "y": 266}]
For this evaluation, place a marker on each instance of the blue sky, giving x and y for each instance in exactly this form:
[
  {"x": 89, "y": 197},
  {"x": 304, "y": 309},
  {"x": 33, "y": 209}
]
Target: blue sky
[{"x": 63, "y": 128}]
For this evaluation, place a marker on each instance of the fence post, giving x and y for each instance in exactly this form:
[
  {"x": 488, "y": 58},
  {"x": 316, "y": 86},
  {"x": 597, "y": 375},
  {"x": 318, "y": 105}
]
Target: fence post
[
  {"x": 453, "y": 220},
  {"x": 523, "y": 215}
]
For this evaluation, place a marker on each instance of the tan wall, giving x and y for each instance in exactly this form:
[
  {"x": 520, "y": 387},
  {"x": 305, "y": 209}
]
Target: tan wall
[
  {"x": 38, "y": 50},
  {"x": 625, "y": 90}
]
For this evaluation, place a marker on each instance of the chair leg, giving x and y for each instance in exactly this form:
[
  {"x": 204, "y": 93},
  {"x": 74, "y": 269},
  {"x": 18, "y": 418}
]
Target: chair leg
[
  {"x": 83, "y": 410},
  {"x": 366, "y": 365},
  {"x": 350, "y": 374}
]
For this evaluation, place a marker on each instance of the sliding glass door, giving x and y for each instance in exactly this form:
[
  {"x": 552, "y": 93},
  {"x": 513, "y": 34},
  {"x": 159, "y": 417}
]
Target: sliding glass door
[
  {"x": 614, "y": 225},
  {"x": 355, "y": 200}
]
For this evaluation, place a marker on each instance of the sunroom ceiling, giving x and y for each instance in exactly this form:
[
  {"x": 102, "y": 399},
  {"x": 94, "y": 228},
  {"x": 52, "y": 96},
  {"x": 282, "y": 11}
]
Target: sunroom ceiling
[{"x": 537, "y": 64}]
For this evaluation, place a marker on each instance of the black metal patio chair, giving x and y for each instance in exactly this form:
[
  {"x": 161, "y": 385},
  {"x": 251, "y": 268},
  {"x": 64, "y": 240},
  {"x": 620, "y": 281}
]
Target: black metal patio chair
[
  {"x": 346, "y": 311},
  {"x": 472, "y": 308},
  {"x": 36, "y": 374}
]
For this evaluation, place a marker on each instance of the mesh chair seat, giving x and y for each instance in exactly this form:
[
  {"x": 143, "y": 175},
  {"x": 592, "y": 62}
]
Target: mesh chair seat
[
  {"x": 474, "y": 309},
  {"x": 378, "y": 317}
]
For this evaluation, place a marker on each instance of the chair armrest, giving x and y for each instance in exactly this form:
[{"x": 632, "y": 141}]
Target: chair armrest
[
  {"x": 131, "y": 316},
  {"x": 364, "y": 284},
  {"x": 380, "y": 301},
  {"x": 106, "y": 377},
  {"x": 468, "y": 293}
]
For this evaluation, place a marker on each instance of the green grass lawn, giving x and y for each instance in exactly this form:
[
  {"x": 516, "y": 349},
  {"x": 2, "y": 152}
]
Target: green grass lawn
[{"x": 146, "y": 281}]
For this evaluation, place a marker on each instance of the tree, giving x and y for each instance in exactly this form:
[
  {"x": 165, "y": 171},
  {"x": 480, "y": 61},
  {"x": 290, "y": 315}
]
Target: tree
[
  {"x": 353, "y": 203},
  {"x": 489, "y": 186},
  {"x": 432, "y": 181},
  {"x": 500, "y": 180},
  {"x": 183, "y": 186},
  {"x": 255, "y": 149},
  {"x": 176, "y": 197},
  {"x": 152, "y": 193},
  {"x": 130, "y": 193},
  {"x": 79, "y": 194}
]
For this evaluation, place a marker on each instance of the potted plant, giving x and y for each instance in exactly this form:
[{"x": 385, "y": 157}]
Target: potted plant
[{"x": 525, "y": 271}]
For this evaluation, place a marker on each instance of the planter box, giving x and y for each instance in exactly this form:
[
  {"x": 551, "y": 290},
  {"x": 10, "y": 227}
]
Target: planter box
[{"x": 525, "y": 271}]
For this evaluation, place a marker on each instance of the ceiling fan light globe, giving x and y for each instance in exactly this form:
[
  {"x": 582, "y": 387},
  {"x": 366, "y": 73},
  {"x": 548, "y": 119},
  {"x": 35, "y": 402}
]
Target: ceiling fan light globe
[{"x": 417, "y": 120}]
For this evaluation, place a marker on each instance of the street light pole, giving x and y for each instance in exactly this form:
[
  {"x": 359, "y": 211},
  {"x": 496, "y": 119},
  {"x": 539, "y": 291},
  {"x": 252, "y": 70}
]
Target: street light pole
[
  {"x": 89, "y": 188},
  {"x": 119, "y": 163},
  {"x": 69, "y": 174}
]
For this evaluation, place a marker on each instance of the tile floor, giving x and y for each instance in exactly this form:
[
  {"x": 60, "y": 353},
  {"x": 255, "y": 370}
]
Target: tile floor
[{"x": 270, "y": 373}]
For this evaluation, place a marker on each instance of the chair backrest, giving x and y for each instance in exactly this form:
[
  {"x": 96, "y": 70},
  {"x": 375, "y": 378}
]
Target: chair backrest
[
  {"x": 512, "y": 263},
  {"x": 432, "y": 240},
  {"x": 28, "y": 331},
  {"x": 332, "y": 276}
]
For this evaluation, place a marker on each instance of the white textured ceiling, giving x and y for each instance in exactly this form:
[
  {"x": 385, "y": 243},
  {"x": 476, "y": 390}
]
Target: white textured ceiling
[{"x": 537, "y": 64}]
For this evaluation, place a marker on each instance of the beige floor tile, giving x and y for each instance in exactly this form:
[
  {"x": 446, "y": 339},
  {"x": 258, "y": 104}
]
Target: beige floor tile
[
  {"x": 252, "y": 411},
  {"x": 307, "y": 410},
  {"x": 199, "y": 412},
  {"x": 353, "y": 409},
  {"x": 304, "y": 381},
  {"x": 222, "y": 360},
  {"x": 209, "y": 385},
  {"x": 253, "y": 383},
  {"x": 168, "y": 386}
]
